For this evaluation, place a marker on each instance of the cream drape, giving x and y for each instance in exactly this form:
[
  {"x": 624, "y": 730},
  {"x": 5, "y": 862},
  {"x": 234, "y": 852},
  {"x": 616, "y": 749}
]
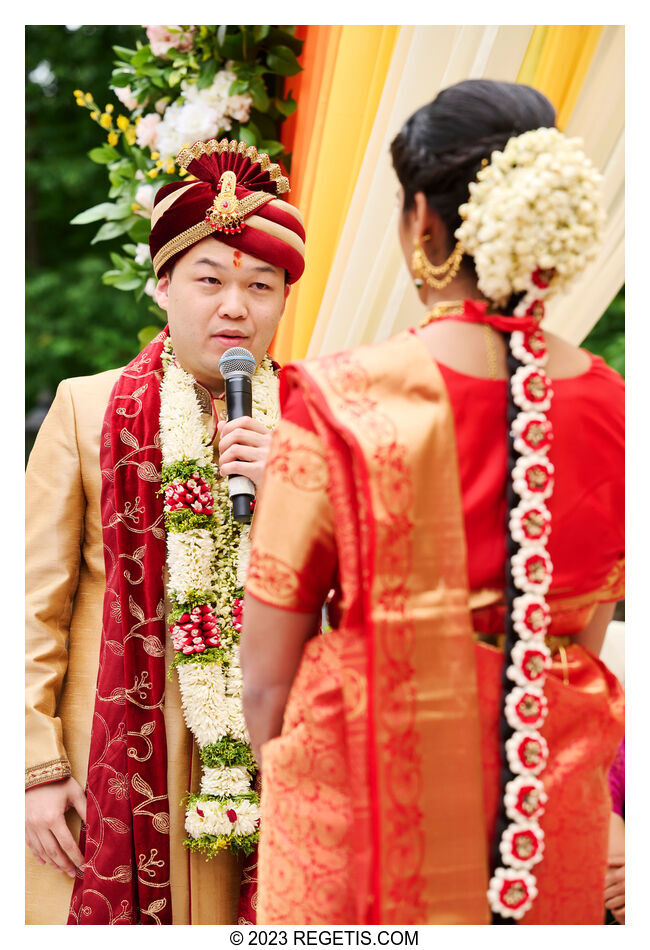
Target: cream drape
[{"x": 369, "y": 294}]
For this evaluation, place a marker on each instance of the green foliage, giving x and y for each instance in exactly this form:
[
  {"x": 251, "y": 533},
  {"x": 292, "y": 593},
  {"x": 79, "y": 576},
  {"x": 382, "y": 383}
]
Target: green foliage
[
  {"x": 607, "y": 338},
  {"x": 211, "y": 845},
  {"x": 259, "y": 57},
  {"x": 226, "y": 753},
  {"x": 75, "y": 322}
]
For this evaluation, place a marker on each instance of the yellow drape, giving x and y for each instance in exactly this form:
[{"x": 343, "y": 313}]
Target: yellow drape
[
  {"x": 357, "y": 61},
  {"x": 356, "y": 288},
  {"x": 557, "y": 61}
]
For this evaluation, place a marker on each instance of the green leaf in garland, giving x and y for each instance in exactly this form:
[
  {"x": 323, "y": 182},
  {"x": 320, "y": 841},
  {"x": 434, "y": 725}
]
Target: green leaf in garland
[
  {"x": 207, "y": 74},
  {"x": 126, "y": 282},
  {"x": 124, "y": 53},
  {"x": 103, "y": 154},
  {"x": 238, "y": 87},
  {"x": 104, "y": 210},
  {"x": 282, "y": 60},
  {"x": 260, "y": 33},
  {"x": 259, "y": 94},
  {"x": 109, "y": 230},
  {"x": 286, "y": 106},
  {"x": 271, "y": 147},
  {"x": 140, "y": 230},
  {"x": 246, "y": 134}
]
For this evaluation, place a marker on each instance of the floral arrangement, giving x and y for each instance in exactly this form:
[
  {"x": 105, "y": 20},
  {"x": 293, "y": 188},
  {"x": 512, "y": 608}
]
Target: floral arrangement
[
  {"x": 184, "y": 84},
  {"x": 513, "y": 886},
  {"x": 207, "y": 561},
  {"x": 534, "y": 218}
]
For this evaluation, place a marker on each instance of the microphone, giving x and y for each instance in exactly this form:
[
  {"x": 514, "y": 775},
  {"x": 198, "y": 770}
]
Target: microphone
[{"x": 237, "y": 366}]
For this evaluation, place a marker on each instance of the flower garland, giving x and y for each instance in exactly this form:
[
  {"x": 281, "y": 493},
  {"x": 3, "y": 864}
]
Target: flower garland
[
  {"x": 207, "y": 561},
  {"x": 512, "y": 888}
]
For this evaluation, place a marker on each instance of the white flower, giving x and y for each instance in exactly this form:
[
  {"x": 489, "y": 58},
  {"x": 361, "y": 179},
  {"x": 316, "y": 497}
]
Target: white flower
[
  {"x": 200, "y": 114},
  {"x": 532, "y": 433},
  {"x": 511, "y": 893},
  {"x": 144, "y": 196},
  {"x": 533, "y": 477},
  {"x": 125, "y": 96},
  {"x": 141, "y": 253},
  {"x": 148, "y": 130},
  {"x": 526, "y": 752},
  {"x": 205, "y": 705},
  {"x": 532, "y": 569},
  {"x": 189, "y": 558},
  {"x": 522, "y": 845},
  {"x": 530, "y": 523},
  {"x": 150, "y": 286},
  {"x": 531, "y": 389},
  {"x": 182, "y": 433},
  {"x": 524, "y": 798},
  {"x": 531, "y": 616},
  {"x": 526, "y": 707},
  {"x": 530, "y": 661},
  {"x": 225, "y": 781}
]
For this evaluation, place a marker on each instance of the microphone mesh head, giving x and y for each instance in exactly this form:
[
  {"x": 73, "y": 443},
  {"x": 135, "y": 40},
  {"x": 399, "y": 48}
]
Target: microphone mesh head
[{"x": 237, "y": 360}]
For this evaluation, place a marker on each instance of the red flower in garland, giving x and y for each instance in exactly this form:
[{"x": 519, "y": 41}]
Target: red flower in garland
[{"x": 197, "y": 631}]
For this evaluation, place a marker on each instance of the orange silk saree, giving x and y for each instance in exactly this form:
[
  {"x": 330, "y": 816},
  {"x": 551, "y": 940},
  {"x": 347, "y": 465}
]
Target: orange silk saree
[{"x": 379, "y": 796}]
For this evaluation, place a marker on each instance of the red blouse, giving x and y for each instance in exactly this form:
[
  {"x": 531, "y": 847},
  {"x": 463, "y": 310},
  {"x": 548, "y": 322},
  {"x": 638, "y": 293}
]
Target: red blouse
[
  {"x": 588, "y": 501},
  {"x": 586, "y": 544}
]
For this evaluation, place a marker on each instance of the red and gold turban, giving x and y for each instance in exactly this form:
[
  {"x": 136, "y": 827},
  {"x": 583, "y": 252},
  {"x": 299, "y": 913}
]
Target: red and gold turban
[{"x": 234, "y": 199}]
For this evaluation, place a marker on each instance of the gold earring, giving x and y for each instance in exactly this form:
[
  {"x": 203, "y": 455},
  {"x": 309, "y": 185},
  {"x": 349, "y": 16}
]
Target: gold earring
[{"x": 436, "y": 275}]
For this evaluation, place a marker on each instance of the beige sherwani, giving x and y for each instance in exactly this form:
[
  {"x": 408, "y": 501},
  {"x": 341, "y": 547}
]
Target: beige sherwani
[{"x": 65, "y": 590}]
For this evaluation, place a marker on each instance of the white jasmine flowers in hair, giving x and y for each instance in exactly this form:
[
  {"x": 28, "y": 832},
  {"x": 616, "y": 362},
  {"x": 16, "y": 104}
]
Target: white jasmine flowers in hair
[
  {"x": 526, "y": 707},
  {"x": 530, "y": 661},
  {"x": 535, "y": 207},
  {"x": 525, "y": 798},
  {"x": 531, "y": 616},
  {"x": 532, "y": 569},
  {"x": 512, "y": 892},
  {"x": 522, "y": 845},
  {"x": 527, "y": 752}
]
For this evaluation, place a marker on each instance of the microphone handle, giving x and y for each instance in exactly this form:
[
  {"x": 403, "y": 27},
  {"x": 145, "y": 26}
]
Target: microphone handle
[{"x": 239, "y": 402}]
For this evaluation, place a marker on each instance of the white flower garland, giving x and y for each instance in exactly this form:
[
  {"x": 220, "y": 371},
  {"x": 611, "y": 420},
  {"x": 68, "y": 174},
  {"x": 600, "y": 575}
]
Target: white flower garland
[
  {"x": 512, "y": 888},
  {"x": 207, "y": 560}
]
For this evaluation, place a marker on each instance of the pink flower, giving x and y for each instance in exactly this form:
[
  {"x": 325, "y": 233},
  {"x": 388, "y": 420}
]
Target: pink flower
[
  {"x": 164, "y": 38},
  {"x": 146, "y": 133},
  {"x": 125, "y": 96}
]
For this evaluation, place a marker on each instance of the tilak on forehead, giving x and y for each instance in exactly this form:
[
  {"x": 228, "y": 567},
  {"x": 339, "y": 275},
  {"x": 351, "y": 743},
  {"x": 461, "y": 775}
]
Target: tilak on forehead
[{"x": 234, "y": 198}]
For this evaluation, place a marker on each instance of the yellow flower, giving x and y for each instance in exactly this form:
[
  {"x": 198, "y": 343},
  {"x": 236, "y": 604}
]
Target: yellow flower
[
  {"x": 155, "y": 155},
  {"x": 88, "y": 97},
  {"x": 182, "y": 172},
  {"x": 159, "y": 163},
  {"x": 108, "y": 108},
  {"x": 130, "y": 136},
  {"x": 81, "y": 102},
  {"x": 122, "y": 122},
  {"x": 135, "y": 206},
  {"x": 153, "y": 172},
  {"x": 78, "y": 93},
  {"x": 113, "y": 138},
  {"x": 94, "y": 115},
  {"x": 170, "y": 168},
  {"x": 105, "y": 121}
]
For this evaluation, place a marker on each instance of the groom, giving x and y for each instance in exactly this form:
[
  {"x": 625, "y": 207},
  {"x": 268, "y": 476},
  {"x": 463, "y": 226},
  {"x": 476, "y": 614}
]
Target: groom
[{"x": 225, "y": 250}]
